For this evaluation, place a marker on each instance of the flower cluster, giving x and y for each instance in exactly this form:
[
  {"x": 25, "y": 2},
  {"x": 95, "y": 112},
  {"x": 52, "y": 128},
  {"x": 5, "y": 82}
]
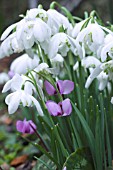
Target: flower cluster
[{"x": 61, "y": 54}]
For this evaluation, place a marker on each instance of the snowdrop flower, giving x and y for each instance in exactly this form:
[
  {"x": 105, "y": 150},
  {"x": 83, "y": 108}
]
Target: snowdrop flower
[
  {"x": 21, "y": 64},
  {"x": 88, "y": 39},
  {"x": 107, "y": 67},
  {"x": 57, "y": 62},
  {"x": 107, "y": 50},
  {"x": 90, "y": 61},
  {"x": 36, "y": 13},
  {"x": 3, "y": 77},
  {"x": 25, "y": 126},
  {"x": 92, "y": 76},
  {"x": 14, "y": 99},
  {"x": 10, "y": 45},
  {"x": 56, "y": 20},
  {"x": 102, "y": 72},
  {"x": 32, "y": 31},
  {"x": 59, "y": 43},
  {"x": 63, "y": 108},
  {"x": 17, "y": 82},
  {"x": 64, "y": 87},
  {"x": 77, "y": 28},
  {"x": 103, "y": 80}
]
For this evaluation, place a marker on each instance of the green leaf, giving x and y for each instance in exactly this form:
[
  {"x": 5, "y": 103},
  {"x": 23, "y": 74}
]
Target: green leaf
[{"x": 79, "y": 160}]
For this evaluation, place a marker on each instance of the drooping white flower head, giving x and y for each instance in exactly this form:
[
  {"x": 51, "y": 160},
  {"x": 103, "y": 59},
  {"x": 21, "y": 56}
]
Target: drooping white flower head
[
  {"x": 60, "y": 43},
  {"x": 10, "y": 45},
  {"x": 87, "y": 39},
  {"x": 14, "y": 99},
  {"x": 17, "y": 82},
  {"x": 56, "y": 20},
  {"x": 103, "y": 72},
  {"x": 24, "y": 63},
  {"x": 77, "y": 28},
  {"x": 107, "y": 50}
]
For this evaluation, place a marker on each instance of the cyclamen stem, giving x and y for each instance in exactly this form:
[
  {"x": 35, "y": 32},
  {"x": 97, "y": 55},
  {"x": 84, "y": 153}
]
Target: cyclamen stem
[{"x": 37, "y": 134}]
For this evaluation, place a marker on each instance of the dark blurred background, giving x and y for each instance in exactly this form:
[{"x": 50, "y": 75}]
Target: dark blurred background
[{"x": 10, "y": 10}]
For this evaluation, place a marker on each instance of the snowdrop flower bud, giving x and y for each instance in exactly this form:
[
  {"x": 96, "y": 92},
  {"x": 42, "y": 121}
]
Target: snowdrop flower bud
[{"x": 25, "y": 126}]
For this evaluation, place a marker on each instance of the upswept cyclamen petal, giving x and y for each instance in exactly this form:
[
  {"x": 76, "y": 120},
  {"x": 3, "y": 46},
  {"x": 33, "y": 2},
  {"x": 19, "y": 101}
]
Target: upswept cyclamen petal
[
  {"x": 64, "y": 87},
  {"x": 25, "y": 126},
  {"x": 53, "y": 108},
  {"x": 49, "y": 88}
]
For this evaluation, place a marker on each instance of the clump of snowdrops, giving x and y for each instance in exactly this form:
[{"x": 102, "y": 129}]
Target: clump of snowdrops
[{"x": 66, "y": 72}]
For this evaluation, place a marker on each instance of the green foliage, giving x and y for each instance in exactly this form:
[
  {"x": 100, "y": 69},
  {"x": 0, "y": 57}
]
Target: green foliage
[
  {"x": 44, "y": 163},
  {"x": 79, "y": 160}
]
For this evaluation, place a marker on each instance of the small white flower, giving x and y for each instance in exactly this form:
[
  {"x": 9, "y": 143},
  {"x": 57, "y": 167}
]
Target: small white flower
[
  {"x": 56, "y": 20},
  {"x": 14, "y": 99},
  {"x": 36, "y": 13},
  {"x": 103, "y": 80},
  {"x": 59, "y": 43},
  {"x": 10, "y": 45},
  {"x": 77, "y": 28},
  {"x": 17, "y": 82},
  {"x": 21, "y": 64},
  {"x": 87, "y": 39},
  {"x": 92, "y": 76},
  {"x": 90, "y": 61},
  {"x": 107, "y": 50}
]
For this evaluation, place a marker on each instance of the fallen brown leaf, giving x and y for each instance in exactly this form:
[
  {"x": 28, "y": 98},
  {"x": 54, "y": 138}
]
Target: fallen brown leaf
[{"x": 19, "y": 160}]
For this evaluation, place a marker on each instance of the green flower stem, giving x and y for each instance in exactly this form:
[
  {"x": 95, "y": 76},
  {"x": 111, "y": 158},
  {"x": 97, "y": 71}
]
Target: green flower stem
[
  {"x": 35, "y": 84},
  {"x": 37, "y": 134}
]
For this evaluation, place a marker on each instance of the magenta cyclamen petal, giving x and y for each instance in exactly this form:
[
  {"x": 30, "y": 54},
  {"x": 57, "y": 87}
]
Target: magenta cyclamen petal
[
  {"x": 60, "y": 86},
  {"x": 63, "y": 108},
  {"x": 53, "y": 108},
  {"x": 68, "y": 86},
  {"x": 66, "y": 107},
  {"x": 25, "y": 126},
  {"x": 49, "y": 88}
]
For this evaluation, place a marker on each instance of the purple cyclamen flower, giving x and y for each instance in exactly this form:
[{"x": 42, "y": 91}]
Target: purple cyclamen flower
[
  {"x": 64, "y": 87},
  {"x": 63, "y": 108},
  {"x": 25, "y": 126}
]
